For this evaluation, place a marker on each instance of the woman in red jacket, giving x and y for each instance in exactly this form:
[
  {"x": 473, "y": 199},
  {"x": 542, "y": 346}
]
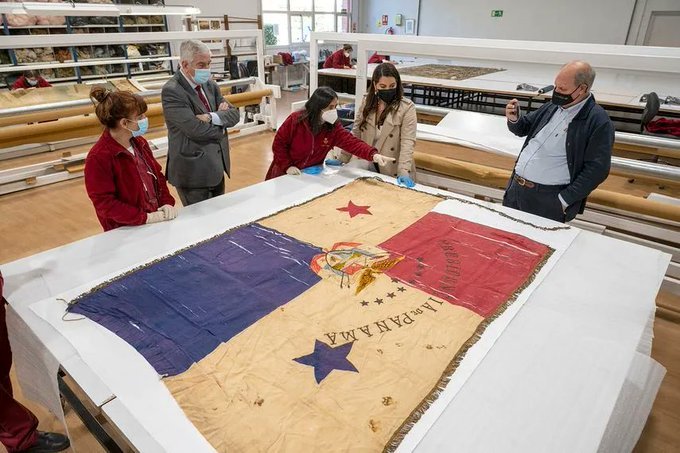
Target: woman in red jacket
[
  {"x": 306, "y": 137},
  {"x": 123, "y": 179},
  {"x": 340, "y": 59},
  {"x": 30, "y": 79}
]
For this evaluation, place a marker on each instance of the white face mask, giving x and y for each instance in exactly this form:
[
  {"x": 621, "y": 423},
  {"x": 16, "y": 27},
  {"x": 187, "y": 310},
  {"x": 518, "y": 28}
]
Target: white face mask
[
  {"x": 330, "y": 116},
  {"x": 347, "y": 54}
]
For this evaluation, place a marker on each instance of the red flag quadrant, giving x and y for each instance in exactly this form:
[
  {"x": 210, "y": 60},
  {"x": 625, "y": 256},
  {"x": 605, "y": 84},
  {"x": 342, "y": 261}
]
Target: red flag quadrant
[{"x": 465, "y": 263}]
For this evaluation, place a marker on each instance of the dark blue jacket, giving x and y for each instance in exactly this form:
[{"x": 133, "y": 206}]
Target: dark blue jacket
[{"x": 590, "y": 138}]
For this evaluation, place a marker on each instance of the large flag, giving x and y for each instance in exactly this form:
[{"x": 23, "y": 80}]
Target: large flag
[{"x": 330, "y": 326}]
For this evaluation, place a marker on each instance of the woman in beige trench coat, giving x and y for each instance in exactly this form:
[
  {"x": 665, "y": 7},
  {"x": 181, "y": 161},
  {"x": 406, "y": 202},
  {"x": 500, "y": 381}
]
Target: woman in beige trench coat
[{"x": 387, "y": 121}]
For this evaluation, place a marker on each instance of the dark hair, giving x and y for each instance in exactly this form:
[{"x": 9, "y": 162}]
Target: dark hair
[
  {"x": 112, "y": 106},
  {"x": 382, "y": 70},
  {"x": 317, "y": 102},
  {"x": 31, "y": 73},
  {"x": 347, "y": 47}
]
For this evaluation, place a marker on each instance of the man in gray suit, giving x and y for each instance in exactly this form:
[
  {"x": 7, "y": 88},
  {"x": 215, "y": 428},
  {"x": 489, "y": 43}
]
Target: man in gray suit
[{"x": 196, "y": 115}]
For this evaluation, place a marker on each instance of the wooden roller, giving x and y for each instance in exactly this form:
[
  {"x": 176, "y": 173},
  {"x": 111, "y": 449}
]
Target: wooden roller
[
  {"x": 83, "y": 126},
  {"x": 498, "y": 178},
  {"x": 248, "y": 98},
  {"x": 623, "y": 149},
  {"x": 238, "y": 100},
  {"x": 65, "y": 128}
]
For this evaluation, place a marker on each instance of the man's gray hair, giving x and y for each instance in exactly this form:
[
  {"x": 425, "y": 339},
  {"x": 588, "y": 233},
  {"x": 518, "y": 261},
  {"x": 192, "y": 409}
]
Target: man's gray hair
[{"x": 189, "y": 49}]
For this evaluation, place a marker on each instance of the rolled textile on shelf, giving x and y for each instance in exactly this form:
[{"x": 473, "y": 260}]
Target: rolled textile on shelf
[
  {"x": 238, "y": 100},
  {"x": 83, "y": 126},
  {"x": 498, "y": 178}
]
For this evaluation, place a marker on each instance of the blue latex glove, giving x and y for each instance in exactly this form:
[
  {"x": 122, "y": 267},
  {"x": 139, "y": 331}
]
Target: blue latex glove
[
  {"x": 405, "y": 181},
  {"x": 333, "y": 162},
  {"x": 315, "y": 170}
]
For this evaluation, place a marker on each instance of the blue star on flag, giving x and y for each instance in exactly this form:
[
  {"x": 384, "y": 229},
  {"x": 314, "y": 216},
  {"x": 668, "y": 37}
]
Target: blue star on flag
[{"x": 325, "y": 359}]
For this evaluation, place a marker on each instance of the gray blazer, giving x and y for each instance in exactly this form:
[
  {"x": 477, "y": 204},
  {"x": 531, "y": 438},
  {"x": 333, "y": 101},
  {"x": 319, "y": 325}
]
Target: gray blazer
[{"x": 198, "y": 152}]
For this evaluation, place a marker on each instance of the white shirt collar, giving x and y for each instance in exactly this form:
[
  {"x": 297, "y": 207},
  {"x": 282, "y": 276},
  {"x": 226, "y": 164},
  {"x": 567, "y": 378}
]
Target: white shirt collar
[
  {"x": 191, "y": 82},
  {"x": 574, "y": 109}
]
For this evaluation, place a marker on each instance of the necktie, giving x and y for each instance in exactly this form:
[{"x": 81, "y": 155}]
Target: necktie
[{"x": 201, "y": 96}]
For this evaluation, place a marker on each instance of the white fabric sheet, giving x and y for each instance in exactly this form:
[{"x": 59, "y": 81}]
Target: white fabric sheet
[{"x": 548, "y": 310}]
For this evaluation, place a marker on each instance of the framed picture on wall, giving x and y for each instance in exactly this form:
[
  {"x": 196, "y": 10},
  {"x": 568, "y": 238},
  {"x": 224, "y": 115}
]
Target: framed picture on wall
[{"x": 410, "y": 28}]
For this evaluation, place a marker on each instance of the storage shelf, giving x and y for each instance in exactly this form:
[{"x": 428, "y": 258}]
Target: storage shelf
[
  {"x": 103, "y": 76},
  {"x": 149, "y": 71},
  {"x": 116, "y": 33},
  {"x": 116, "y": 26},
  {"x": 28, "y": 27},
  {"x": 143, "y": 25}
]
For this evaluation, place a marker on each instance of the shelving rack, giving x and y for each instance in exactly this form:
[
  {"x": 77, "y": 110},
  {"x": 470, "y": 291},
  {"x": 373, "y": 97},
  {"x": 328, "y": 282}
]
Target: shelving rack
[{"x": 84, "y": 60}]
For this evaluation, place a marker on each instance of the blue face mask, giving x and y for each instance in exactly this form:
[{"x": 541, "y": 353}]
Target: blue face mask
[
  {"x": 143, "y": 126},
  {"x": 201, "y": 76}
]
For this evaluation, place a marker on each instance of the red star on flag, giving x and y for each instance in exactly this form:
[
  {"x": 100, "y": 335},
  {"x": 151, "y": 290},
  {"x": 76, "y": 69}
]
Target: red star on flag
[{"x": 355, "y": 210}]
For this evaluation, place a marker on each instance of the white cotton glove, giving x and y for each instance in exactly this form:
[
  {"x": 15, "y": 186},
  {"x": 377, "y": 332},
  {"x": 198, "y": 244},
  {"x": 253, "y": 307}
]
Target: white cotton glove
[
  {"x": 170, "y": 212},
  {"x": 155, "y": 217},
  {"x": 293, "y": 171},
  {"x": 382, "y": 160}
]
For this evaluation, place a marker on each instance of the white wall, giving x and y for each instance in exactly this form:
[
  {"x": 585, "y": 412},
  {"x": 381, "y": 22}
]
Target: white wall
[
  {"x": 372, "y": 10},
  {"x": 596, "y": 21},
  {"x": 218, "y": 8}
]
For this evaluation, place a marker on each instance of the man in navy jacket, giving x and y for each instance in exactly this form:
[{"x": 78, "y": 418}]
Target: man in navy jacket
[{"x": 567, "y": 153}]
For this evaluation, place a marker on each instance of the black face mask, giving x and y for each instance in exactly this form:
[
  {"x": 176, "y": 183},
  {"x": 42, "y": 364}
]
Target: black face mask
[
  {"x": 387, "y": 96},
  {"x": 563, "y": 99}
]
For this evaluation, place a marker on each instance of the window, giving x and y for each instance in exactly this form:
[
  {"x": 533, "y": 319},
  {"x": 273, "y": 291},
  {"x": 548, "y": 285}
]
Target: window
[
  {"x": 300, "y": 28},
  {"x": 292, "y": 21}
]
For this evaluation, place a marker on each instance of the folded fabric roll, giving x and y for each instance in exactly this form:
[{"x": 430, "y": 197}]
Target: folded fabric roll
[
  {"x": 44, "y": 54},
  {"x": 26, "y": 55},
  {"x": 155, "y": 19},
  {"x": 128, "y": 20},
  {"x": 21, "y": 20},
  {"x": 142, "y": 20},
  {"x": 62, "y": 55},
  {"x": 100, "y": 70},
  {"x": 63, "y": 73},
  {"x": 86, "y": 70},
  {"x": 4, "y": 57},
  {"x": 79, "y": 21},
  {"x": 133, "y": 51},
  {"x": 100, "y": 52},
  {"x": 118, "y": 51},
  {"x": 84, "y": 53}
]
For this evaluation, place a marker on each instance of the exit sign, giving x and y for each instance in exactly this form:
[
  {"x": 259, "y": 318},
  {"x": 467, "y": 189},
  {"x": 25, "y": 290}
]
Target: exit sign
[{"x": 497, "y": 13}]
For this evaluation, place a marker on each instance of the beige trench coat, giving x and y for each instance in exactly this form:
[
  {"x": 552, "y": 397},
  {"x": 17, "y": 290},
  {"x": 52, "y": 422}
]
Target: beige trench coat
[{"x": 397, "y": 138}]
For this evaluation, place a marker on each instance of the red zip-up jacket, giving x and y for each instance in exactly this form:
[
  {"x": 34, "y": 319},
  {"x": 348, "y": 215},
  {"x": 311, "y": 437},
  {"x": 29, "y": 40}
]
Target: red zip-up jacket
[
  {"x": 295, "y": 145},
  {"x": 114, "y": 185},
  {"x": 22, "y": 83},
  {"x": 337, "y": 60}
]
